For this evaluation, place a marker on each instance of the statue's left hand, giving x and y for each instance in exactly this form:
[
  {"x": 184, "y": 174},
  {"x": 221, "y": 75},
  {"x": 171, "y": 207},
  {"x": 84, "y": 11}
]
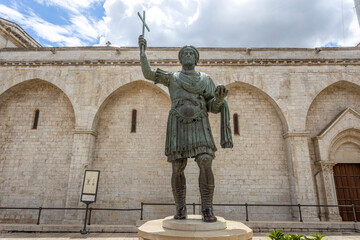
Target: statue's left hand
[{"x": 220, "y": 92}]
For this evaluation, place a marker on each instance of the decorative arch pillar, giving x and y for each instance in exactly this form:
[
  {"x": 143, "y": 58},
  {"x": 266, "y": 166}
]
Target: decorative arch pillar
[
  {"x": 82, "y": 157},
  {"x": 301, "y": 179},
  {"x": 327, "y": 177}
]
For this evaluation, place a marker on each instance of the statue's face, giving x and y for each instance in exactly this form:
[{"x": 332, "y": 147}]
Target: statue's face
[{"x": 188, "y": 57}]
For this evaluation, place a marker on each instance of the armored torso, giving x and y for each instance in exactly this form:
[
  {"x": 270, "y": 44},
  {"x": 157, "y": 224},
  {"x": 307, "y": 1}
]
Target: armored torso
[{"x": 186, "y": 106}]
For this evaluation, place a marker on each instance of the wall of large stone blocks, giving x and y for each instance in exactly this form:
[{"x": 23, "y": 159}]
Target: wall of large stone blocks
[
  {"x": 132, "y": 164},
  {"x": 34, "y": 163},
  {"x": 329, "y": 103},
  {"x": 256, "y": 169}
]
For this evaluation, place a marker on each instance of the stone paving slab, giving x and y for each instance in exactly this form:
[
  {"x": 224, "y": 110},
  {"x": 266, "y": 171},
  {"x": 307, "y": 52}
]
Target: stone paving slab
[{"x": 130, "y": 236}]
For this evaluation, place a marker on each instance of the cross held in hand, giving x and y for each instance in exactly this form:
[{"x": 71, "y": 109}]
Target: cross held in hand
[{"x": 144, "y": 23}]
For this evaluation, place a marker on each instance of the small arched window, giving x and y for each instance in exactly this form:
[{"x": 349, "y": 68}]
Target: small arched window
[
  {"x": 36, "y": 119},
  {"x": 236, "y": 124},
  {"x": 133, "y": 121}
]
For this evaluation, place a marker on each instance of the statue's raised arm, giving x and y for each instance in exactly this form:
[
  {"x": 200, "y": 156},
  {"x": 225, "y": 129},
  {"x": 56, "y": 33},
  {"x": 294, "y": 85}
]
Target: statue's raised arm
[{"x": 145, "y": 66}]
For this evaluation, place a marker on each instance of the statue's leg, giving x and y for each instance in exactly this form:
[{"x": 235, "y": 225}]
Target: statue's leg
[
  {"x": 206, "y": 184},
  {"x": 178, "y": 184}
]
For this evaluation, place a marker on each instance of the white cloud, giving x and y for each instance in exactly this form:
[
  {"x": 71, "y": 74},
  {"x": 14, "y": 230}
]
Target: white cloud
[
  {"x": 164, "y": 18},
  {"x": 211, "y": 23},
  {"x": 76, "y": 34},
  {"x": 233, "y": 23},
  {"x": 9, "y": 12},
  {"x": 84, "y": 27},
  {"x": 76, "y": 6}
]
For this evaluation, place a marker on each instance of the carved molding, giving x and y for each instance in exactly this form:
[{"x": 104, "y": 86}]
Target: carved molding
[
  {"x": 296, "y": 134},
  {"x": 336, "y": 121},
  {"x": 175, "y": 62},
  {"x": 85, "y": 131},
  {"x": 326, "y": 166}
]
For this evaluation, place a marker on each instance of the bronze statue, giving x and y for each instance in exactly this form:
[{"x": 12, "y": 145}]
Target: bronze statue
[{"x": 193, "y": 95}]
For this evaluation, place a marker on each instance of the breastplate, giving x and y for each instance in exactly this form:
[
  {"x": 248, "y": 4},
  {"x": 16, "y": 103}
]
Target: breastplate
[{"x": 189, "y": 110}]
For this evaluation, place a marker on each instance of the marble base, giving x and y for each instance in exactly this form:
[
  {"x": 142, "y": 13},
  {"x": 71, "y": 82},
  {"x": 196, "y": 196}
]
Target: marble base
[{"x": 170, "y": 229}]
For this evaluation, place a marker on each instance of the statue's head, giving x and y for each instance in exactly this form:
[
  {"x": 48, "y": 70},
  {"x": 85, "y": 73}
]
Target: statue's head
[{"x": 188, "y": 53}]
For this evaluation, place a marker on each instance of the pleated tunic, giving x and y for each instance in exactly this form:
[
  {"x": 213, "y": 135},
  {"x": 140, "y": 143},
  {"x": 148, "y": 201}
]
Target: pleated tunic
[{"x": 188, "y": 129}]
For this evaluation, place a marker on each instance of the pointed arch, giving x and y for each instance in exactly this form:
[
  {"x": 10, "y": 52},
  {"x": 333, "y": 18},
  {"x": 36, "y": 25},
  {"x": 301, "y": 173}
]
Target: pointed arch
[
  {"x": 350, "y": 135},
  {"x": 122, "y": 89},
  {"x": 335, "y": 103},
  {"x": 280, "y": 113},
  {"x": 7, "y": 93}
]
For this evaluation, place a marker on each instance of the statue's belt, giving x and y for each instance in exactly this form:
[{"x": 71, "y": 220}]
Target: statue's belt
[{"x": 188, "y": 113}]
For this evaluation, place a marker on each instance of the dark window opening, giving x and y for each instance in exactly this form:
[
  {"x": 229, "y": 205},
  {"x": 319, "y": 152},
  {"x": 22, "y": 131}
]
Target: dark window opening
[
  {"x": 36, "y": 119},
  {"x": 236, "y": 124},
  {"x": 133, "y": 121}
]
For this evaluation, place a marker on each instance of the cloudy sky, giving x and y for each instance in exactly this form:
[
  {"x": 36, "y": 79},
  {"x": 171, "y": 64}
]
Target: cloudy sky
[{"x": 203, "y": 23}]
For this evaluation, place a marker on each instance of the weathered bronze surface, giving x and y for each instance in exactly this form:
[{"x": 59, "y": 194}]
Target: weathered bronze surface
[{"x": 193, "y": 95}]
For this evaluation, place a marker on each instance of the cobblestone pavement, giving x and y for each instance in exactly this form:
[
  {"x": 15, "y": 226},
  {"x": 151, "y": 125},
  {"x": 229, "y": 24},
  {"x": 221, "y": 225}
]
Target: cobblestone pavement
[{"x": 130, "y": 236}]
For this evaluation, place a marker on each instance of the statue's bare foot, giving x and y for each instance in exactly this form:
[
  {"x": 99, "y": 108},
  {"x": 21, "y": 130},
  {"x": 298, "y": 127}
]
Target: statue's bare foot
[
  {"x": 181, "y": 213},
  {"x": 208, "y": 215}
]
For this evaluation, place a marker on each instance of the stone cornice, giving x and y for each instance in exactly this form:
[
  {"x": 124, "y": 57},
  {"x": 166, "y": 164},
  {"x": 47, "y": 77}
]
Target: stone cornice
[
  {"x": 17, "y": 34},
  {"x": 85, "y": 131},
  {"x": 175, "y": 62},
  {"x": 295, "y": 134}
]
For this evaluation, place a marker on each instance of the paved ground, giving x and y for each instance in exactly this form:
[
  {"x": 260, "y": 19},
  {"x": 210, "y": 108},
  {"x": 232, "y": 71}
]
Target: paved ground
[{"x": 129, "y": 236}]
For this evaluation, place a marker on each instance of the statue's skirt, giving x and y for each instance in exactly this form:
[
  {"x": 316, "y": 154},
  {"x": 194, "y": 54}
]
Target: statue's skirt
[{"x": 187, "y": 140}]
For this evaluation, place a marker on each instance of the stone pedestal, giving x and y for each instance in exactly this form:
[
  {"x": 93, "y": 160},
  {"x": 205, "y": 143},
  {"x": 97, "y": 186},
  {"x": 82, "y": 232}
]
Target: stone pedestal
[{"x": 194, "y": 228}]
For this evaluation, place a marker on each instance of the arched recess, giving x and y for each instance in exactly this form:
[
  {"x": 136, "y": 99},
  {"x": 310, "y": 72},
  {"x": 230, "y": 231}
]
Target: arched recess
[
  {"x": 255, "y": 170},
  {"x": 326, "y": 116},
  {"x": 345, "y": 147},
  {"x": 132, "y": 164},
  {"x": 34, "y": 163},
  {"x": 327, "y": 106},
  {"x": 329, "y": 103},
  {"x": 268, "y": 99},
  {"x": 123, "y": 89}
]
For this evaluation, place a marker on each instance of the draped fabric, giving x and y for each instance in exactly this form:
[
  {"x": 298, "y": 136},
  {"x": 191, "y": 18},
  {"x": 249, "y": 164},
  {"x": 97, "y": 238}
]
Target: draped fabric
[
  {"x": 186, "y": 140},
  {"x": 225, "y": 129}
]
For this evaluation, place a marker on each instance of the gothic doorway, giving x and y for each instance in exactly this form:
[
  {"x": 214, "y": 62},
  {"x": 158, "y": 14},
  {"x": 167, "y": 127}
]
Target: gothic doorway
[{"x": 347, "y": 183}]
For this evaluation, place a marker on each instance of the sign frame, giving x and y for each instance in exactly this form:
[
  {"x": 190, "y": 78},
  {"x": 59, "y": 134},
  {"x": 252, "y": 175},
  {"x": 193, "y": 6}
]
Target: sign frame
[{"x": 88, "y": 191}]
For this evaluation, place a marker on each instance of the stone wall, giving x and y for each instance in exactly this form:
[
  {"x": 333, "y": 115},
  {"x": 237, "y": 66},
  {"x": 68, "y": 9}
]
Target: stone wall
[
  {"x": 34, "y": 163},
  {"x": 132, "y": 164},
  {"x": 256, "y": 169},
  {"x": 90, "y": 92}
]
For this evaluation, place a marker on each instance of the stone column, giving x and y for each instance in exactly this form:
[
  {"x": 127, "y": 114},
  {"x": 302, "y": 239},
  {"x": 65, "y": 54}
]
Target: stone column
[
  {"x": 300, "y": 173},
  {"x": 327, "y": 172},
  {"x": 83, "y": 154}
]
